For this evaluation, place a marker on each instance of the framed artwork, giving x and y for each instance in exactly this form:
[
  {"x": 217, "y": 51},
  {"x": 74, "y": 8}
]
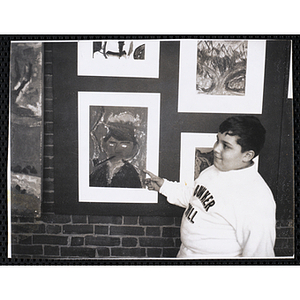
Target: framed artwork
[
  {"x": 118, "y": 139},
  {"x": 221, "y": 76},
  {"x": 116, "y": 58},
  {"x": 196, "y": 155}
]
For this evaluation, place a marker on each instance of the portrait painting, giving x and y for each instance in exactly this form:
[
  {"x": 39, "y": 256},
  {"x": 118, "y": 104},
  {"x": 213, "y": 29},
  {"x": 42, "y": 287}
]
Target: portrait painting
[
  {"x": 221, "y": 76},
  {"x": 119, "y": 58},
  {"x": 118, "y": 140},
  {"x": 118, "y": 146}
]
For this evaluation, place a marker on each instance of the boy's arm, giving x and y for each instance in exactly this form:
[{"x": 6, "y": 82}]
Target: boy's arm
[
  {"x": 175, "y": 192},
  {"x": 259, "y": 233}
]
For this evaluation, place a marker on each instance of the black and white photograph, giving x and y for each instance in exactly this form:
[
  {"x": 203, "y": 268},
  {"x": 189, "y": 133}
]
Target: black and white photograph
[{"x": 166, "y": 150}]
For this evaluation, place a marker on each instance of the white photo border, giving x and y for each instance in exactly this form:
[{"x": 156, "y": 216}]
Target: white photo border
[
  {"x": 89, "y": 66},
  {"x": 190, "y": 101},
  {"x": 117, "y": 195},
  {"x": 189, "y": 142}
]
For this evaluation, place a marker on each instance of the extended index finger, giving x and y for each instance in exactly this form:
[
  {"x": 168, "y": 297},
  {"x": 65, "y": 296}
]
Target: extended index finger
[{"x": 150, "y": 174}]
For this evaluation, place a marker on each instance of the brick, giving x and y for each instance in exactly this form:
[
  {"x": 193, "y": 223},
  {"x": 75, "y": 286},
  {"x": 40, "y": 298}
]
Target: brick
[
  {"x": 48, "y": 174},
  {"x": 78, "y": 251},
  {"x": 178, "y": 221},
  {"x": 101, "y": 229},
  {"x": 78, "y": 229},
  {"x": 284, "y": 232},
  {"x": 48, "y": 92},
  {"x": 48, "y": 197},
  {"x": 156, "y": 242},
  {"x": 103, "y": 252},
  {"x": 26, "y": 219},
  {"x": 48, "y": 127},
  {"x": 129, "y": 242},
  {"x": 28, "y": 228},
  {"x": 25, "y": 239},
  {"x": 77, "y": 241},
  {"x": 171, "y": 232},
  {"x": 48, "y": 104},
  {"x": 102, "y": 241},
  {"x": 48, "y": 80},
  {"x": 105, "y": 219},
  {"x": 127, "y": 230},
  {"x": 79, "y": 219},
  {"x": 154, "y": 252},
  {"x": 128, "y": 252},
  {"x": 170, "y": 252},
  {"x": 50, "y": 239},
  {"x": 52, "y": 218},
  {"x": 14, "y": 219},
  {"x": 48, "y": 68},
  {"x": 48, "y": 184},
  {"x": 177, "y": 242},
  {"x": 53, "y": 229},
  {"x": 284, "y": 244},
  {"x": 153, "y": 231},
  {"x": 51, "y": 250},
  {"x": 130, "y": 220},
  {"x": 156, "y": 220},
  {"x": 47, "y": 207},
  {"x": 48, "y": 139},
  {"x": 27, "y": 249}
]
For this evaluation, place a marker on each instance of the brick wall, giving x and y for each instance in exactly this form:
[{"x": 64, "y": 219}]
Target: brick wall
[{"x": 82, "y": 236}]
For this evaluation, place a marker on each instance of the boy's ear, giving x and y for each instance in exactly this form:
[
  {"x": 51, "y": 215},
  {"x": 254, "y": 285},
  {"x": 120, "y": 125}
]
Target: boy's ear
[{"x": 248, "y": 155}]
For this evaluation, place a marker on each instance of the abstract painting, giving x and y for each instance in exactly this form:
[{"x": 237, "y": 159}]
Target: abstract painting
[
  {"x": 204, "y": 158},
  {"x": 26, "y": 128},
  {"x": 221, "y": 67},
  {"x": 196, "y": 155},
  {"x": 119, "y": 58},
  {"x": 221, "y": 76},
  {"x": 118, "y": 139}
]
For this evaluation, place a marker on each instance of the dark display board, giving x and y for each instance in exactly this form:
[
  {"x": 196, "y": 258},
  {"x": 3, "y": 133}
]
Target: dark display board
[{"x": 67, "y": 84}]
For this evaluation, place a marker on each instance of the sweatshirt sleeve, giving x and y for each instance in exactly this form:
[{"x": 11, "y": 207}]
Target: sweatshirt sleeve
[
  {"x": 258, "y": 234},
  {"x": 176, "y": 193}
]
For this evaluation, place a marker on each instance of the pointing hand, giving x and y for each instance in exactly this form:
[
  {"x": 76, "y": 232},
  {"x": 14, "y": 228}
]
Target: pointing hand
[{"x": 153, "y": 183}]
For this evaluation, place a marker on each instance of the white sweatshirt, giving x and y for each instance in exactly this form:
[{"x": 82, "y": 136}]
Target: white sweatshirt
[{"x": 228, "y": 214}]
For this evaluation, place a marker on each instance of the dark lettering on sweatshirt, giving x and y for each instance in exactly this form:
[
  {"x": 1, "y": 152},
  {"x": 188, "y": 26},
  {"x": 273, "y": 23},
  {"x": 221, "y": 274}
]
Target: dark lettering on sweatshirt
[{"x": 205, "y": 197}]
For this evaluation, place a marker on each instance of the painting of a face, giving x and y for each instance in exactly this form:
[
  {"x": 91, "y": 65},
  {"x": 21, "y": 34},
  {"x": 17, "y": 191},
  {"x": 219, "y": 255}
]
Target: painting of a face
[{"x": 118, "y": 149}]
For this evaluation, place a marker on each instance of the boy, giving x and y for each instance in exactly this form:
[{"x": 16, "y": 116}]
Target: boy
[{"x": 230, "y": 212}]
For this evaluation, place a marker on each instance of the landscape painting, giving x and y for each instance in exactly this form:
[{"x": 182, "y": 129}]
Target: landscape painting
[{"x": 26, "y": 128}]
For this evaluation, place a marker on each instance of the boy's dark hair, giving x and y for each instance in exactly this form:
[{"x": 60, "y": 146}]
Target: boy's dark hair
[{"x": 250, "y": 132}]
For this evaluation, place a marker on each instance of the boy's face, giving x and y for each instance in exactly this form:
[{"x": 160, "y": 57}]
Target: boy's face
[{"x": 228, "y": 153}]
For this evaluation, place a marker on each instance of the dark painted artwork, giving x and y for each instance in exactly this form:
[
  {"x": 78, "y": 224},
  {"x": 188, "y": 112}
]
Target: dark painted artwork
[
  {"x": 221, "y": 67},
  {"x": 26, "y": 128},
  {"x": 204, "y": 158},
  {"x": 118, "y": 146}
]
